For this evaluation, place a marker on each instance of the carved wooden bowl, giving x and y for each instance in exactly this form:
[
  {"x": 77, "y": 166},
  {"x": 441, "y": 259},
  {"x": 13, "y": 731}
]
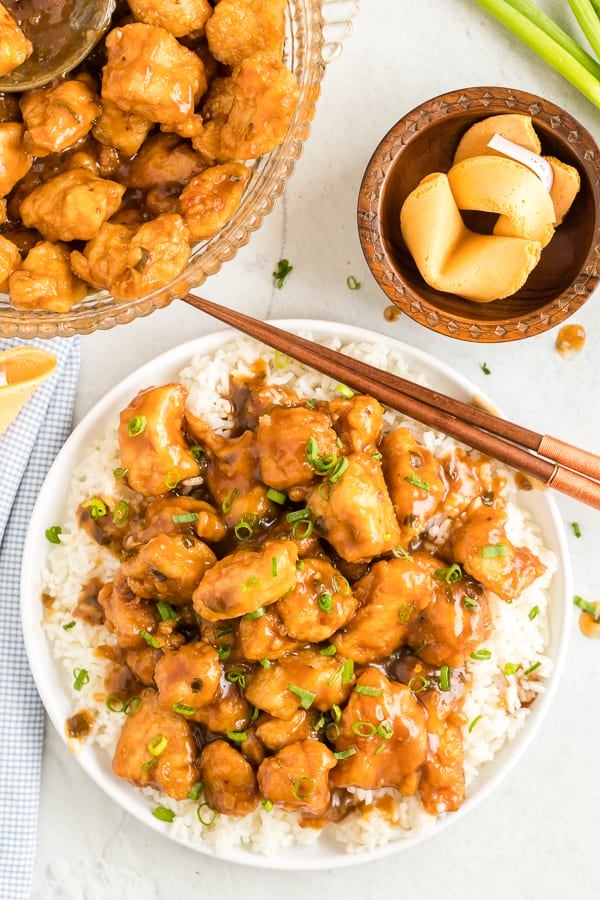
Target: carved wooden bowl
[{"x": 424, "y": 141}]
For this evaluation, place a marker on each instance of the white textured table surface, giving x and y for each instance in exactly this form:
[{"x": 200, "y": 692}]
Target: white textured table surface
[{"x": 537, "y": 835}]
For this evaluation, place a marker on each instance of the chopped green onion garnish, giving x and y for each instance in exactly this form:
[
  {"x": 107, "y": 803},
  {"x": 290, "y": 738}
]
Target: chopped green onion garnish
[
  {"x": 276, "y": 496},
  {"x": 196, "y": 790},
  {"x": 254, "y": 714},
  {"x": 299, "y": 514},
  {"x": 364, "y": 729},
  {"x": 244, "y": 529},
  {"x": 229, "y": 500},
  {"x": 418, "y": 684},
  {"x": 281, "y": 272},
  {"x": 474, "y": 722},
  {"x": 80, "y": 678},
  {"x": 385, "y": 729},
  {"x": 265, "y": 663},
  {"x": 590, "y": 608},
  {"x": 328, "y": 651},
  {"x": 352, "y": 283},
  {"x": 53, "y": 534},
  {"x": 236, "y": 677},
  {"x": 470, "y": 602},
  {"x": 307, "y": 698},
  {"x": 274, "y": 566},
  {"x": 120, "y": 472},
  {"x": 267, "y": 805},
  {"x": 325, "y": 603},
  {"x": 257, "y": 614},
  {"x": 115, "y": 704},
  {"x": 332, "y": 731},
  {"x": 183, "y": 709},
  {"x": 485, "y": 369},
  {"x": 421, "y": 646},
  {"x": 121, "y": 512},
  {"x": 336, "y": 713},
  {"x": 149, "y": 765},
  {"x": 490, "y": 551},
  {"x": 206, "y": 819},
  {"x": 136, "y": 426},
  {"x": 302, "y": 529},
  {"x": 237, "y": 736},
  {"x": 445, "y": 676},
  {"x": 95, "y": 507},
  {"x": 173, "y": 478},
  {"x": 198, "y": 452},
  {"x": 132, "y": 705},
  {"x": 157, "y": 745},
  {"x": 303, "y": 788},
  {"x": 164, "y": 814},
  {"x": 532, "y": 668},
  {"x": 339, "y": 469},
  {"x": 184, "y": 518},
  {"x": 534, "y": 612},
  {"x": 379, "y": 750},
  {"x": 481, "y": 654},
  {"x": 417, "y": 482},
  {"x": 281, "y": 359},
  {"x": 576, "y": 529},
  {"x": 451, "y": 575},
  {"x": 341, "y": 585},
  {"x": 344, "y": 754},
  {"x": 166, "y": 611},
  {"x": 368, "y": 691},
  {"x": 348, "y": 671},
  {"x": 251, "y": 582},
  {"x": 511, "y": 668},
  {"x": 344, "y": 391},
  {"x": 150, "y": 640},
  {"x": 400, "y": 553},
  {"x": 405, "y": 611},
  {"x": 224, "y": 651},
  {"x": 68, "y": 625}
]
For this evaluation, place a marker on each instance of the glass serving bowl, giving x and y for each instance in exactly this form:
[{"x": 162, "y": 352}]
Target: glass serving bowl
[{"x": 315, "y": 31}]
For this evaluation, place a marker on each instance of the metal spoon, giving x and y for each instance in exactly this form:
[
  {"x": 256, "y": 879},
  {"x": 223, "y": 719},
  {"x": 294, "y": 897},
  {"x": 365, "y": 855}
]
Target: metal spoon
[{"x": 62, "y": 35}]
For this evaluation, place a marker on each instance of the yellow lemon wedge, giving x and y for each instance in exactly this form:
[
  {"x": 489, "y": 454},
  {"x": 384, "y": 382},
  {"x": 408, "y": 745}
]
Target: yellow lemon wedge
[{"x": 22, "y": 370}]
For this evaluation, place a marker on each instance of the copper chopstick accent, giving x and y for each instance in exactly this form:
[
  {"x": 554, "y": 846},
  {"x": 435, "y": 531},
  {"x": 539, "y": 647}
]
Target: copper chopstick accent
[{"x": 506, "y": 441}]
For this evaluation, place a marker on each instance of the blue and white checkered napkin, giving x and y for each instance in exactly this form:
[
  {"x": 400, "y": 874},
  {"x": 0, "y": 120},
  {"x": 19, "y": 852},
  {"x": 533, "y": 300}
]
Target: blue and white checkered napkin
[{"x": 27, "y": 449}]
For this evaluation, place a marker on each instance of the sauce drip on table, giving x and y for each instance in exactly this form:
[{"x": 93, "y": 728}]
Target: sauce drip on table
[{"x": 570, "y": 340}]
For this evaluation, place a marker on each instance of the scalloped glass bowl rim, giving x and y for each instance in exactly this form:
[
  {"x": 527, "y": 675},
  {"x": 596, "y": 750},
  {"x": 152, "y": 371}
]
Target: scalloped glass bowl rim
[
  {"x": 100, "y": 311},
  {"x": 49, "y": 674}
]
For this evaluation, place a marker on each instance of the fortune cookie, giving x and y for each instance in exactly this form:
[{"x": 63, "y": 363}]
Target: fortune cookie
[
  {"x": 450, "y": 257},
  {"x": 22, "y": 370}
]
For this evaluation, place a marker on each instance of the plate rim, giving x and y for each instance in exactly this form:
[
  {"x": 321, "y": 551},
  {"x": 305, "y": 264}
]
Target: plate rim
[{"x": 296, "y": 857}]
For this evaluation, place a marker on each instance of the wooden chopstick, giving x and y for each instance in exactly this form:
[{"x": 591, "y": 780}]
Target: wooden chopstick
[{"x": 559, "y": 465}]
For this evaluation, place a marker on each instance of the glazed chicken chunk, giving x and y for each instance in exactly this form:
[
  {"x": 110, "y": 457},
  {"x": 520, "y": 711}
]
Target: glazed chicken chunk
[
  {"x": 278, "y": 733},
  {"x": 246, "y": 581},
  {"x": 210, "y": 199},
  {"x": 104, "y": 258},
  {"x": 9, "y": 260},
  {"x": 356, "y": 514},
  {"x": 44, "y": 280},
  {"x": 71, "y": 206},
  {"x": 125, "y": 131},
  {"x": 265, "y": 637},
  {"x": 156, "y": 748},
  {"x": 415, "y": 481},
  {"x": 389, "y": 596},
  {"x": 229, "y": 781},
  {"x": 321, "y": 602},
  {"x": 292, "y": 443},
  {"x": 480, "y": 544},
  {"x": 166, "y": 515},
  {"x": 14, "y": 46},
  {"x": 304, "y": 679},
  {"x": 229, "y": 711},
  {"x": 358, "y": 421},
  {"x": 385, "y": 726},
  {"x": 179, "y": 17},
  {"x": 127, "y": 616},
  {"x": 15, "y": 161},
  {"x": 442, "y": 785},
  {"x": 240, "y": 28},
  {"x": 152, "y": 75},
  {"x": 58, "y": 116},
  {"x": 296, "y": 777},
  {"x": 188, "y": 678},
  {"x": 168, "y": 566},
  {"x": 153, "y": 448}
]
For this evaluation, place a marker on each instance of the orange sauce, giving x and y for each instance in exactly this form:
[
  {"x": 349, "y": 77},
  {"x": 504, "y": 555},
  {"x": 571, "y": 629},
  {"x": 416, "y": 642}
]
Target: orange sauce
[
  {"x": 588, "y": 624},
  {"x": 570, "y": 340},
  {"x": 79, "y": 725},
  {"x": 47, "y": 600},
  {"x": 391, "y": 313}
]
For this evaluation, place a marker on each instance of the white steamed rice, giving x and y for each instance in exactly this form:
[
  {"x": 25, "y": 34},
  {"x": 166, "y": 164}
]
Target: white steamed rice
[{"x": 493, "y": 697}]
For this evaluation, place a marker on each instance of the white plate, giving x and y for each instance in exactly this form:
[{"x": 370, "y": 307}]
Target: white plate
[{"x": 49, "y": 674}]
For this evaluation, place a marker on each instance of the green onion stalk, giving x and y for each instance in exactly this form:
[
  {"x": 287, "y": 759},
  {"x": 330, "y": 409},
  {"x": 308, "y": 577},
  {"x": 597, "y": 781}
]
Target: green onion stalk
[{"x": 551, "y": 43}]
